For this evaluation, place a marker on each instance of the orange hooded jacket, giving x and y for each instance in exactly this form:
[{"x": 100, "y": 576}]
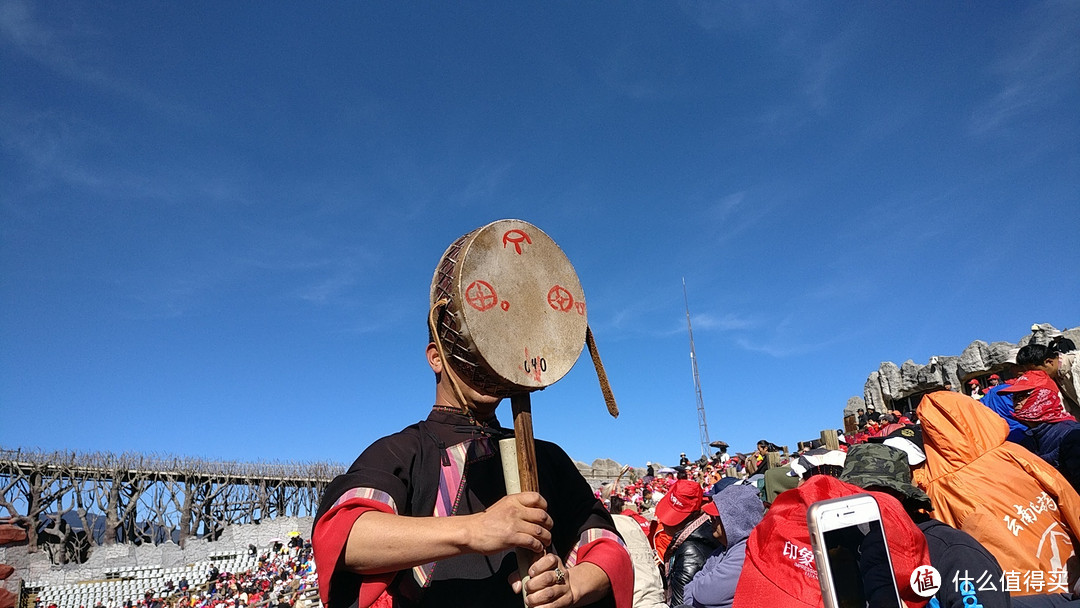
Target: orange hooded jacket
[{"x": 1014, "y": 503}]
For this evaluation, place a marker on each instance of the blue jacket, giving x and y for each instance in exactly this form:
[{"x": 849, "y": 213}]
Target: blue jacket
[
  {"x": 1002, "y": 404},
  {"x": 740, "y": 510},
  {"x": 1045, "y": 439}
]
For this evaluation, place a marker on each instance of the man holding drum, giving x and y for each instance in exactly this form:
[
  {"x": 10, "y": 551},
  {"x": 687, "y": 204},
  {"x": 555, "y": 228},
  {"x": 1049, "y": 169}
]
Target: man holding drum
[{"x": 423, "y": 514}]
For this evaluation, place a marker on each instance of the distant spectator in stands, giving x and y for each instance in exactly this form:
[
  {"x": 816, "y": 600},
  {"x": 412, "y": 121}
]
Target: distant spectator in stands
[
  {"x": 871, "y": 414},
  {"x": 683, "y": 460},
  {"x": 761, "y": 460},
  {"x": 1002, "y": 404},
  {"x": 860, "y": 417},
  {"x": 1041, "y": 365},
  {"x": 975, "y": 389},
  {"x": 691, "y": 536},
  {"x": 648, "y": 583},
  {"x": 818, "y": 461},
  {"x": 733, "y": 513},
  {"x": 721, "y": 455},
  {"x": 1068, "y": 373}
]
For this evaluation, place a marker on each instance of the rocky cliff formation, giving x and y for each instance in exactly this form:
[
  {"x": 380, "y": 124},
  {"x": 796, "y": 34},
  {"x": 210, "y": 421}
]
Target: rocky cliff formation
[{"x": 895, "y": 387}]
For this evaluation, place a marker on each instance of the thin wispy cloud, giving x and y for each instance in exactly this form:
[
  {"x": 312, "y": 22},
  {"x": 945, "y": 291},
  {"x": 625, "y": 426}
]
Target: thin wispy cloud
[
  {"x": 628, "y": 76},
  {"x": 740, "y": 16},
  {"x": 733, "y": 214},
  {"x": 1037, "y": 71},
  {"x": 725, "y": 322},
  {"x": 819, "y": 71},
  {"x": 726, "y": 207},
  {"x": 786, "y": 343},
  {"x": 61, "y": 53},
  {"x": 56, "y": 147},
  {"x": 320, "y": 270},
  {"x": 702, "y": 323},
  {"x": 163, "y": 297},
  {"x": 63, "y": 149},
  {"x": 328, "y": 289},
  {"x": 484, "y": 183},
  {"x": 858, "y": 289}
]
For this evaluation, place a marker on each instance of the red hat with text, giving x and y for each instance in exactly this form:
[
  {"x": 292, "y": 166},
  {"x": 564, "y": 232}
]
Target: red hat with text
[
  {"x": 681, "y": 500},
  {"x": 1032, "y": 380},
  {"x": 779, "y": 569}
]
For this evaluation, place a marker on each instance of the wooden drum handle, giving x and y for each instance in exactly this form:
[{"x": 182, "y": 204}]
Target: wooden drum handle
[{"x": 519, "y": 468}]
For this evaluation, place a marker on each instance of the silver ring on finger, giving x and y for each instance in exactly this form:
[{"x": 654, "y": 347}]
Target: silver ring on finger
[{"x": 560, "y": 576}]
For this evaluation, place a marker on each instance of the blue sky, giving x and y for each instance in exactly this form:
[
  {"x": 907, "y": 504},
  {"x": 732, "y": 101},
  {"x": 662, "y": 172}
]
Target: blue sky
[{"x": 218, "y": 222}]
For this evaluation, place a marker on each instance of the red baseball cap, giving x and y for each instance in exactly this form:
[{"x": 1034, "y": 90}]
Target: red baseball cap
[
  {"x": 681, "y": 500},
  {"x": 973, "y": 381},
  {"x": 1030, "y": 381},
  {"x": 779, "y": 569},
  {"x": 995, "y": 377}
]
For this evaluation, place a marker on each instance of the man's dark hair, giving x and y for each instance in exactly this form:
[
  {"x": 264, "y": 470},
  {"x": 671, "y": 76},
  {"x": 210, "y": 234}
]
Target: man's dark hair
[
  {"x": 617, "y": 504},
  {"x": 1033, "y": 355},
  {"x": 1062, "y": 344}
]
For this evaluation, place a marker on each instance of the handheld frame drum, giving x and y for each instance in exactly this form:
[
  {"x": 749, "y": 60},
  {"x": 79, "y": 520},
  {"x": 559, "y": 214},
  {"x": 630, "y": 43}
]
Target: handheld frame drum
[{"x": 509, "y": 315}]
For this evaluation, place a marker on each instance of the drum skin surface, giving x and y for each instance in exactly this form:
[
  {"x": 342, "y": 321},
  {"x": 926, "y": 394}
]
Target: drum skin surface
[{"x": 516, "y": 317}]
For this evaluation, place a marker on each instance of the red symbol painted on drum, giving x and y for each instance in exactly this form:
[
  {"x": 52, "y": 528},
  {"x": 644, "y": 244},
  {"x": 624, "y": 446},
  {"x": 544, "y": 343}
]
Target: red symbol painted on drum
[
  {"x": 533, "y": 366},
  {"x": 560, "y": 299},
  {"x": 505, "y": 305},
  {"x": 481, "y": 295},
  {"x": 516, "y": 237},
  {"x": 580, "y": 306}
]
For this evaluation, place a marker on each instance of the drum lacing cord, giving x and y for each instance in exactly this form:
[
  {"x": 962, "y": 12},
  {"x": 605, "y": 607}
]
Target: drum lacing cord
[
  {"x": 441, "y": 304},
  {"x": 605, "y": 387}
]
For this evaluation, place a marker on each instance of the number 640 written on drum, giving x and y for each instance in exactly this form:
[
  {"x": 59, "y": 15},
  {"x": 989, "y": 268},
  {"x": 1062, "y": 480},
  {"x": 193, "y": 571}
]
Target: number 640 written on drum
[{"x": 534, "y": 366}]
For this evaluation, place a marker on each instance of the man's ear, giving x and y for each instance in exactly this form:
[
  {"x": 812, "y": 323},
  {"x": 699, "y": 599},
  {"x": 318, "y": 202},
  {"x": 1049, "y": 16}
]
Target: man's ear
[{"x": 433, "y": 358}]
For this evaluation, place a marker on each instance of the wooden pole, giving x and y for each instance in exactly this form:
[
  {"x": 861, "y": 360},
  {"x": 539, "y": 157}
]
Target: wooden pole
[
  {"x": 830, "y": 440},
  {"x": 773, "y": 458},
  {"x": 528, "y": 479},
  {"x": 526, "y": 446}
]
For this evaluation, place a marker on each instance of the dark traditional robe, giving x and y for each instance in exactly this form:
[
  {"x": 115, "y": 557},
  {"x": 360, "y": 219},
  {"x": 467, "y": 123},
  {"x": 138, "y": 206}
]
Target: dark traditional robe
[{"x": 443, "y": 466}]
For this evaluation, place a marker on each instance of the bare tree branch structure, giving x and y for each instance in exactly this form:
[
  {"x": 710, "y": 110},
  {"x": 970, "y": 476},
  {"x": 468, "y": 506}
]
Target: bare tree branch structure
[{"x": 69, "y": 502}]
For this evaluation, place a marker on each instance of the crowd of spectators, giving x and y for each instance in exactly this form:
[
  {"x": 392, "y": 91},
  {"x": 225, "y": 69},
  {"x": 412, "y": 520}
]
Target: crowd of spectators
[
  {"x": 283, "y": 574},
  {"x": 981, "y": 484}
]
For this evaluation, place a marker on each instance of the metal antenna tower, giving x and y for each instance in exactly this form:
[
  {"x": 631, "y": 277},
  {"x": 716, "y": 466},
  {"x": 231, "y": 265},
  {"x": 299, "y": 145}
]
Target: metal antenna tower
[{"x": 703, "y": 426}]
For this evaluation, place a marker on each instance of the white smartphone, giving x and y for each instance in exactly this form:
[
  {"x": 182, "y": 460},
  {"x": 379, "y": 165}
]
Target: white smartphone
[{"x": 851, "y": 553}]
